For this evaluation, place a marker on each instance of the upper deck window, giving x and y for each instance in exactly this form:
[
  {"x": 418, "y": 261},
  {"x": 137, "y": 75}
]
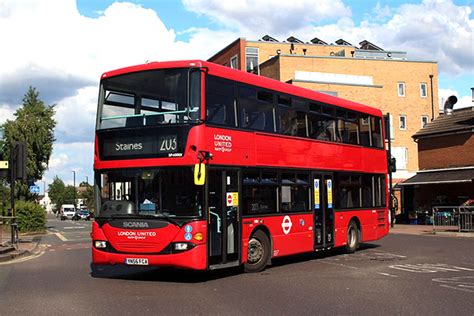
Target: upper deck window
[{"x": 150, "y": 98}]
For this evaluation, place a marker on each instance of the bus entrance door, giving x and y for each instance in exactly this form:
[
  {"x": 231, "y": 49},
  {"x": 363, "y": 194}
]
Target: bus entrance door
[
  {"x": 223, "y": 218},
  {"x": 323, "y": 208}
]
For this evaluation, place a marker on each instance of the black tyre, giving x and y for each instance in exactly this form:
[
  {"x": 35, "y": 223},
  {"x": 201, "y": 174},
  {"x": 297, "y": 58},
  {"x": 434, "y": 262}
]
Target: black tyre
[
  {"x": 353, "y": 237},
  {"x": 258, "y": 252}
]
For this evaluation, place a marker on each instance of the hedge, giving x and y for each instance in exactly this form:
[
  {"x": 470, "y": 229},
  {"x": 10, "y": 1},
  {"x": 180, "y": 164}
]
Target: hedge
[{"x": 31, "y": 217}]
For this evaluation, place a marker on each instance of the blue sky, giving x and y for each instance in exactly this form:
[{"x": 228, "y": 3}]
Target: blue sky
[{"x": 71, "y": 42}]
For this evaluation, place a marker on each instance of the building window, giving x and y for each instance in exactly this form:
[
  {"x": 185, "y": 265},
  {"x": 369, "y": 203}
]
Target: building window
[
  {"x": 234, "y": 62},
  {"x": 333, "y": 93},
  {"x": 424, "y": 120},
  {"x": 252, "y": 59},
  {"x": 403, "y": 122},
  {"x": 401, "y": 156},
  {"x": 401, "y": 89},
  {"x": 423, "y": 90}
]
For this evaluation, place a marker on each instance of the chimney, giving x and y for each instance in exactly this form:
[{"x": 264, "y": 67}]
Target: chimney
[
  {"x": 472, "y": 93},
  {"x": 449, "y": 104}
]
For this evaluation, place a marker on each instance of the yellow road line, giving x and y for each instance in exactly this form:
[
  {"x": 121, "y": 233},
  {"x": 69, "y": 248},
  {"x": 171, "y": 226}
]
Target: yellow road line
[{"x": 60, "y": 236}]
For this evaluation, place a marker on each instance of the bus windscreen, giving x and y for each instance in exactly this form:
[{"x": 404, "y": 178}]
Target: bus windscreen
[
  {"x": 160, "y": 192},
  {"x": 150, "y": 98}
]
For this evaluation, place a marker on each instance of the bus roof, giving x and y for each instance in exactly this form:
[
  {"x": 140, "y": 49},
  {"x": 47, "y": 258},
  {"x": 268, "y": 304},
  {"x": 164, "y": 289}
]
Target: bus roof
[{"x": 245, "y": 77}]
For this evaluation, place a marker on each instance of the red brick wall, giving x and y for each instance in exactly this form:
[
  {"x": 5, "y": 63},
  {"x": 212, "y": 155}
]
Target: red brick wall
[
  {"x": 236, "y": 48},
  {"x": 446, "y": 151}
]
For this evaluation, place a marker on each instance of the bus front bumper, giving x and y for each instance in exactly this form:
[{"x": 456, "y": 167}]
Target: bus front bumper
[{"x": 194, "y": 259}]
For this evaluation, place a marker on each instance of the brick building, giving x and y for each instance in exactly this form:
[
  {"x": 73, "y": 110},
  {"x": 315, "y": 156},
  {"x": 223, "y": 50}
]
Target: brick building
[
  {"x": 446, "y": 160},
  {"x": 368, "y": 74}
]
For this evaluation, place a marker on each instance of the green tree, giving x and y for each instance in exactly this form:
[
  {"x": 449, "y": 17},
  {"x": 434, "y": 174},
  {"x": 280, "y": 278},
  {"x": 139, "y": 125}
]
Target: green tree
[
  {"x": 34, "y": 125},
  {"x": 31, "y": 217},
  {"x": 4, "y": 198},
  {"x": 60, "y": 194}
]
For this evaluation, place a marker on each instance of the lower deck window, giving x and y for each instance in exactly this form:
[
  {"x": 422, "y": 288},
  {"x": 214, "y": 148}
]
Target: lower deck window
[{"x": 259, "y": 193}]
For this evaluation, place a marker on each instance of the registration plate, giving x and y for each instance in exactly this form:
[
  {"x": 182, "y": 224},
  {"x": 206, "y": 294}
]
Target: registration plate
[{"x": 136, "y": 261}]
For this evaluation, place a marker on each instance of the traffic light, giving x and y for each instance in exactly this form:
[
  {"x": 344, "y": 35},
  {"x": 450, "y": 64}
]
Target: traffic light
[{"x": 19, "y": 161}]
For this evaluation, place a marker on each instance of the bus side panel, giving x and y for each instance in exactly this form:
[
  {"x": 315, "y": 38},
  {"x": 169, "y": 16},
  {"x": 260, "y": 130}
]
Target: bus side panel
[
  {"x": 231, "y": 147},
  {"x": 367, "y": 220},
  {"x": 290, "y": 234}
]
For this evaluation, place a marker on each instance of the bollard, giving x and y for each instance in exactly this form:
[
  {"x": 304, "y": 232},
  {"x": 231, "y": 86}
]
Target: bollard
[{"x": 14, "y": 227}]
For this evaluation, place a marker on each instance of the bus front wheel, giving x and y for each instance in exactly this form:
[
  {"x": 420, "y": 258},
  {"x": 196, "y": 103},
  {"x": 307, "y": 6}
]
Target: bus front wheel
[
  {"x": 353, "y": 235},
  {"x": 258, "y": 252}
]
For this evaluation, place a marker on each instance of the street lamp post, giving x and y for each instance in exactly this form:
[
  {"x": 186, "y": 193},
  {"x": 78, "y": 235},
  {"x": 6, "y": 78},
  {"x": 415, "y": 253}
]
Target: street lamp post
[{"x": 74, "y": 185}]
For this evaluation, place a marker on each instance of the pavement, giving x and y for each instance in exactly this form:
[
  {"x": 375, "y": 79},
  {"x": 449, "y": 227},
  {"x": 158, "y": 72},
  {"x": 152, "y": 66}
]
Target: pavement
[
  {"x": 427, "y": 230},
  {"x": 26, "y": 246}
]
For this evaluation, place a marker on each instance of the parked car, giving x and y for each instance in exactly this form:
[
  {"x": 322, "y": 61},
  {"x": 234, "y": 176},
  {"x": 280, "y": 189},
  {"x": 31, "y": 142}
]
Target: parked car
[
  {"x": 67, "y": 211},
  {"x": 82, "y": 215}
]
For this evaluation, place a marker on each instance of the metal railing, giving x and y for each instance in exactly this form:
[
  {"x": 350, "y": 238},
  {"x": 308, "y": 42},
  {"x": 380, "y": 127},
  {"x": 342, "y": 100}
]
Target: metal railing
[
  {"x": 458, "y": 218},
  {"x": 8, "y": 231}
]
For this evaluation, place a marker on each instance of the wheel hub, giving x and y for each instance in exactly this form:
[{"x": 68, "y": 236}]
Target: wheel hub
[
  {"x": 352, "y": 237},
  {"x": 255, "y": 251}
]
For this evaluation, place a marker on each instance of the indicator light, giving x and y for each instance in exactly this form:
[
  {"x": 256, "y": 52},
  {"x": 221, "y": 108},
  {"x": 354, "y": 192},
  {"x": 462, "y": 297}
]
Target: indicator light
[{"x": 198, "y": 236}]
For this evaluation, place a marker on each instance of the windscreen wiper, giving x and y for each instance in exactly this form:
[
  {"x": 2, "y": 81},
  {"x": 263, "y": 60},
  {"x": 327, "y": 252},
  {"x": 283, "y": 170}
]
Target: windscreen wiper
[{"x": 167, "y": 217}]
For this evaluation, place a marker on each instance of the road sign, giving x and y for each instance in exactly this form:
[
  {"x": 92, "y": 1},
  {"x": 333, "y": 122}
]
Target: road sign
[
  {"x": 3, "y": 164},
  {"x": 34, "y": 189}
]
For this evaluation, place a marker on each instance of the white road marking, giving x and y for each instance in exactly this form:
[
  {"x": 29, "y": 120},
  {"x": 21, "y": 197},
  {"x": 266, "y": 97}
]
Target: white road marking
[
  {"x": 388, "y": 274},
  {"x": 74, "y": 227},
  {"x": 389, "y": 254},
  {"x": 429, "y": 268},
  {"x": 457, "y": 288},
  {"x": 61, "y": 236},
  {"x": 339, "y": 264}
]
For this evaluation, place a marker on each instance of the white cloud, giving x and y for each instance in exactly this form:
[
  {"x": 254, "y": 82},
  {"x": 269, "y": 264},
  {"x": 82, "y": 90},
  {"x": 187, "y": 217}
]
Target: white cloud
[
  {"x": 51, "y": 40},
  {"x": 275, "y": 17},
  {"x": 6, "y": 113},
  {"x": 75, "y": 116},
  {"x": 464, "y": 101},
  {"x": 51, "y": 46},
  {"x": 63, "y": 54},
  {"x": 435, "y": 30},
  {"x": 67, "y": 157}
]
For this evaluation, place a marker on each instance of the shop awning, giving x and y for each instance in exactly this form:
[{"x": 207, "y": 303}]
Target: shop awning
[{"x": 441, "y": 176}]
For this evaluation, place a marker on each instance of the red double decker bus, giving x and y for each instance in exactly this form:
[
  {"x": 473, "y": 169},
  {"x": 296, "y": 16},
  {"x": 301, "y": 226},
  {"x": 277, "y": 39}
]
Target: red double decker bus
[{"x": 200, "y": 166}]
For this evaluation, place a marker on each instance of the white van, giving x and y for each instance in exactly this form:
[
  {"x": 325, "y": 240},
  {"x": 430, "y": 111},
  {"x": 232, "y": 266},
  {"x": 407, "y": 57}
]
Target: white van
[{"x": 67, "y": 211}]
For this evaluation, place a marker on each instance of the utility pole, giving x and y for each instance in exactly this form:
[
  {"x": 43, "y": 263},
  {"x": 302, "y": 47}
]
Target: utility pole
[
  {"x": 17, "y": 172},
  {"x": 432, "y": 101},
  {"x": 74, "y": 184}
]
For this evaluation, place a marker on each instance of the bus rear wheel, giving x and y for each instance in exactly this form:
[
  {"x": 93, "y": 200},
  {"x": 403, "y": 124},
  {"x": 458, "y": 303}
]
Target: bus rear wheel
[
  {"x": 258, "y": 252},
  {"x": 353, "y": 236}
]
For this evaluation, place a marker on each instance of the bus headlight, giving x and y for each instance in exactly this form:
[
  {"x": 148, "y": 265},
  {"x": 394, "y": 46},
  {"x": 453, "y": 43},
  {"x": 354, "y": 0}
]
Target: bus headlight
[
  {"x": 100, "y": 244},
  {"x": 181, "y": 246}
]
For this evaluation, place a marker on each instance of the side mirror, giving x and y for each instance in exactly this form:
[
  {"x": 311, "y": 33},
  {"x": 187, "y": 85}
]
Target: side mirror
[{"x": 199, "y": 174}]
